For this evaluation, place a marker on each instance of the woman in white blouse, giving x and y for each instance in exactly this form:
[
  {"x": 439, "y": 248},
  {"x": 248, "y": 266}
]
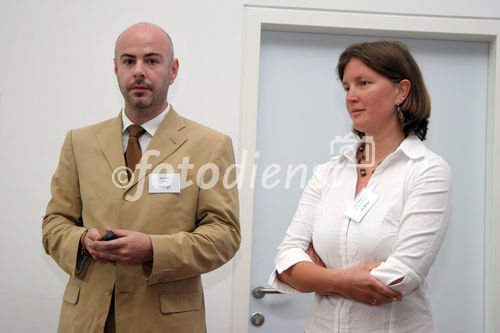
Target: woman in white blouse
[{"x": 367, "y": 259}]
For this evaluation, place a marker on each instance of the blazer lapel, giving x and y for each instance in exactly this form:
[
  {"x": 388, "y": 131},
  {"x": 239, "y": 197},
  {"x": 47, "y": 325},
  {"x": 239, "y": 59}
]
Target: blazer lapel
[
  {"x": 110, "y": 140},
  {"x": 167, "y": 139}
]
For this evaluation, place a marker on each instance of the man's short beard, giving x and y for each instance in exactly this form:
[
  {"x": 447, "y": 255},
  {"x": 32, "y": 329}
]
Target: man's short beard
[{"x": 139, "y": 104}]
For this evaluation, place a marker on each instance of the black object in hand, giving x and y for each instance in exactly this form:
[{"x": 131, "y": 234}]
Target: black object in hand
[{"x": 108, "y": 236}]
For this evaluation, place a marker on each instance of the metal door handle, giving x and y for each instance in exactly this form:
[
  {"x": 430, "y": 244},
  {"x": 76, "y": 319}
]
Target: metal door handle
[{"x": 259, "y": 291}]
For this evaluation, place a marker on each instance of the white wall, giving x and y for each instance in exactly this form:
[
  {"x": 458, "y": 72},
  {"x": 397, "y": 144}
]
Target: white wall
[{"x": 57, "y": 61}]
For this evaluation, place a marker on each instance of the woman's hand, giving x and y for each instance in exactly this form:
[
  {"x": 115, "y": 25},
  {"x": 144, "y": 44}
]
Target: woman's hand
[
  {"x": 314, "y": 256},
  {"x": 357, "y": 283}
]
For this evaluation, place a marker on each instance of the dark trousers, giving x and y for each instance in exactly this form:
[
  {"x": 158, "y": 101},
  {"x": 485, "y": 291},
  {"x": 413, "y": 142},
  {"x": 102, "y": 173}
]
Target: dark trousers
[{"x": 110, "y": 326}]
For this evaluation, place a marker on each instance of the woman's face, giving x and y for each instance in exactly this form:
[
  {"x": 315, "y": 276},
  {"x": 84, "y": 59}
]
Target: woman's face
[{"x": 371, "y": 99}]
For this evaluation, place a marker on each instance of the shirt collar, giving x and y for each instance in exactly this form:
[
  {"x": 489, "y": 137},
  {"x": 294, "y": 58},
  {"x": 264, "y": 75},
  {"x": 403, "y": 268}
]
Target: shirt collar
[
  {"x": 350, "y": 152},
  {"x": 411, "y": 147},
  {"x": 150, "y": 126}
]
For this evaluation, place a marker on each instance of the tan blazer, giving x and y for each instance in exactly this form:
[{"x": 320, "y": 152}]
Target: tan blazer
[{"x": 192, "y": 232}]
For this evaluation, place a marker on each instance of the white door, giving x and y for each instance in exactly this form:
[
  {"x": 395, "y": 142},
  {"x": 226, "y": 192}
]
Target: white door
[{"x": 302, "y": 117}]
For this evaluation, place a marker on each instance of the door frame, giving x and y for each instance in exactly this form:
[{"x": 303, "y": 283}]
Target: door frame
[{"x": 258, "y": 18}]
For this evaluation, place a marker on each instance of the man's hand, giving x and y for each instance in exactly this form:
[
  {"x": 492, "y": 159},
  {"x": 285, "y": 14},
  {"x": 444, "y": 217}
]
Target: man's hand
[
  {"x": 90, "y": 236},
  {"x": 129, "y": 247}
]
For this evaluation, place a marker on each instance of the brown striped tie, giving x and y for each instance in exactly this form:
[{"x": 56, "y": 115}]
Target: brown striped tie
[{"x": 133, "y": 153}]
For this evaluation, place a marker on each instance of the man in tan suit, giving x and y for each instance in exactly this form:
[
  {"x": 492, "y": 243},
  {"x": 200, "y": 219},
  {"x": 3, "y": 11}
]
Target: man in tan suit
[{"x": 175, "y": 216}]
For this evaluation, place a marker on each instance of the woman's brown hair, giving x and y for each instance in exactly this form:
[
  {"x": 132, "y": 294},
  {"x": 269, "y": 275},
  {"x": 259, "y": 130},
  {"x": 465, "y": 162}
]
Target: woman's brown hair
[{"x": 393, "y": 60}]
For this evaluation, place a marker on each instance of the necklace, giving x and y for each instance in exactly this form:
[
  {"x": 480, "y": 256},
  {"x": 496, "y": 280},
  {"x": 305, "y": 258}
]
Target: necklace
[{"x": 361, "y": 156}]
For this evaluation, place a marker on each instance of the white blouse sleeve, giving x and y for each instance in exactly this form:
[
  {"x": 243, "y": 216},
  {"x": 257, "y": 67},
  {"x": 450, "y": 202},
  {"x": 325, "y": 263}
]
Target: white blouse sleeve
[
  {"x": 424, "y": 221},
  {"x": 299, "y": 234}
]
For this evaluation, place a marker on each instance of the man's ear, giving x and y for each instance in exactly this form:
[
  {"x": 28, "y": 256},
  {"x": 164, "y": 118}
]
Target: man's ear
[
  {"x": 116, "y": 67},
  {"x": 174, "y": 69}
]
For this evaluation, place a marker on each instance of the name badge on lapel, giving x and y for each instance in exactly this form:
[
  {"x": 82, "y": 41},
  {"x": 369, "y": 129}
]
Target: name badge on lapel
[
  {"x": 164, "y": 183},
  {"x": 361, "y": 205}
]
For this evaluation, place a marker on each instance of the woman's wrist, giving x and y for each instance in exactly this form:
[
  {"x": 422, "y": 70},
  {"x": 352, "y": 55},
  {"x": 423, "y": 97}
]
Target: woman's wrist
[{"x": 333, "y": 282}]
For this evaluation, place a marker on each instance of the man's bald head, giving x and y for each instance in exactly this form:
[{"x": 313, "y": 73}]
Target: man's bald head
[
  {"x": 146, "y": 32},
  {"x": 145, "y": 68}
]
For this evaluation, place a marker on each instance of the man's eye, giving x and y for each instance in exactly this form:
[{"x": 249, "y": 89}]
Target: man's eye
[
  {"x": 152, "y": 61},
  {"x": 364, "y": 83},
  {"x": 128, "y": 61}
]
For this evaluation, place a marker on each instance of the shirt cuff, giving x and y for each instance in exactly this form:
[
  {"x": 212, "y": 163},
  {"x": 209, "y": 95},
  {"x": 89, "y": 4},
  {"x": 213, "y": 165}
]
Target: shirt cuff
[
  {"x": 292, "y": 256},
  {"x": 280, "y": 286},
  {"x": 392, "y": 270},
  {"x": 283, "y": 262}
]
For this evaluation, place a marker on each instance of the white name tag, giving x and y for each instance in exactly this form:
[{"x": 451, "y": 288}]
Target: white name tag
[
  {"x": 164, "y": 183},
  {"x": 361, "y": 205}
]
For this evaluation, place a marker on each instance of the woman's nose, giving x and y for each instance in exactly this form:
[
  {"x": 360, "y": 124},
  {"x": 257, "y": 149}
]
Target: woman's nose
[{"x": 351, "y": 96}]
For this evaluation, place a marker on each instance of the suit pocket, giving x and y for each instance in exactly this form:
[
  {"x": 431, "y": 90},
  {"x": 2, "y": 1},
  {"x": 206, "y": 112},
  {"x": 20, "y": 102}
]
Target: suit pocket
[
  {"x": 71, "y": 294},
  {"x": 177, "y": 303}
]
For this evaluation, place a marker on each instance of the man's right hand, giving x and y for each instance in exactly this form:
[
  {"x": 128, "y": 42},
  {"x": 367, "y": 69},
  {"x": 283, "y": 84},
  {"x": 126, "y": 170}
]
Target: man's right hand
[{"x": 90, "y": 236}]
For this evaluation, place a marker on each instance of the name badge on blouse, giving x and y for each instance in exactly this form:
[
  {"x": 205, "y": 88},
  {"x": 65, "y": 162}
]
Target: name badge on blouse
[
  {"x": 361, "y": 205},
  {"x": 165, "y": 183}
]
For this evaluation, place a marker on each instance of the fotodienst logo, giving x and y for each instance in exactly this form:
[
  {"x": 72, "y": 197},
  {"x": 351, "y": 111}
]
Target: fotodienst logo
[
  {"x": 168, "y": 178},
  {"x": 349, "y": 142}
]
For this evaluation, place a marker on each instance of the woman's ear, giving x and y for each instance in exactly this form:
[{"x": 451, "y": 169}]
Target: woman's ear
[{"x": 404, "y": 87}]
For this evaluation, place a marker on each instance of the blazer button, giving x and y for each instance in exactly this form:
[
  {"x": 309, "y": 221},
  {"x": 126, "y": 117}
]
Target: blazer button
[{"x": 109, "y": 292}]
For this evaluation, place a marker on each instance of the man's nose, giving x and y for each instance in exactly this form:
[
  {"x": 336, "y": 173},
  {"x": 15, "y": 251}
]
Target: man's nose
[{"x": 139, "y": 69}]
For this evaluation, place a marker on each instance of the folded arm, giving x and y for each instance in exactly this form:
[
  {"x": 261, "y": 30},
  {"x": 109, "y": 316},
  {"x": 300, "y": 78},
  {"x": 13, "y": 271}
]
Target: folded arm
[
  {"x": 354, "y": 283},
  {"x": 423, "y": 226},
  {"x": 295, "y": 267}
]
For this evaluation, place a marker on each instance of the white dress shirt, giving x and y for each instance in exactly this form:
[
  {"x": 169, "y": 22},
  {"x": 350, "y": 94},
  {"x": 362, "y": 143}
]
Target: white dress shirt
[
  {"x": 403, "y": 229},
  {"x": 150, "y": 126}
]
